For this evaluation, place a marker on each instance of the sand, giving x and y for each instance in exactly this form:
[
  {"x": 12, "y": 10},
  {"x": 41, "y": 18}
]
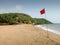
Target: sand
[{"x": 26, "y": 34}]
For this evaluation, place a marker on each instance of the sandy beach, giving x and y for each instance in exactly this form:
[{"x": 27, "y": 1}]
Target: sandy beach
[{"x": 26, "y": 34}]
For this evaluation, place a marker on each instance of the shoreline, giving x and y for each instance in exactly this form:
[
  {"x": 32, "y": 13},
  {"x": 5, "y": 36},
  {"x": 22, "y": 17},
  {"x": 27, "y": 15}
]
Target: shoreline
[{"x": 47, "y": 29}]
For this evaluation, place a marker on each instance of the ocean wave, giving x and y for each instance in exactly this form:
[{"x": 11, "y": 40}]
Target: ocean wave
[{"x": 47, "y": 29}]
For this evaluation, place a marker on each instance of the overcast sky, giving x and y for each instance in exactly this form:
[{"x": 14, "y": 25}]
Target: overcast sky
[{"x": 32, "y": 7}]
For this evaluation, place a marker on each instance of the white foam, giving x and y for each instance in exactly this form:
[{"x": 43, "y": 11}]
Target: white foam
[{"x": 47, "y": 29}]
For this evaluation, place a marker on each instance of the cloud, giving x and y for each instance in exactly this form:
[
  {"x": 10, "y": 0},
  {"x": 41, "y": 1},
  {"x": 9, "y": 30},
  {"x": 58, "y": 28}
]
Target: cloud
[{"x": 18, "y": 7}]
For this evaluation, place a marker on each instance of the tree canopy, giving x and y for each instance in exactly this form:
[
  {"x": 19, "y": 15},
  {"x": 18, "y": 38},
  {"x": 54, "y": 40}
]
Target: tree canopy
[{"x": 16, "y": 18}]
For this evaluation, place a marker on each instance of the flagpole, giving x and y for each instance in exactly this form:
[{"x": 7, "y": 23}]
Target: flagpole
[
  {"x": 46, "y": 25},
  {"x": 44, "y": 12}
]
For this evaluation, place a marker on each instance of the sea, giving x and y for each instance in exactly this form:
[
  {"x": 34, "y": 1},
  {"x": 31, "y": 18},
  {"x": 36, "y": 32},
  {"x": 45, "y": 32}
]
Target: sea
[{"x": 55, "y": 28}]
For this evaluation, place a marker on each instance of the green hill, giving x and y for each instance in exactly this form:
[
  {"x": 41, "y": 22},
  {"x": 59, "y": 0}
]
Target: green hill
[
  {"x": 41, "y": 21},
  {"x": 16, "y": 18}
]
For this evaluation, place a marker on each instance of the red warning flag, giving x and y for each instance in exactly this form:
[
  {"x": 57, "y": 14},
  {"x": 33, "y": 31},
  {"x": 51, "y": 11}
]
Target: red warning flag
[{"x": 42, "y": 11}]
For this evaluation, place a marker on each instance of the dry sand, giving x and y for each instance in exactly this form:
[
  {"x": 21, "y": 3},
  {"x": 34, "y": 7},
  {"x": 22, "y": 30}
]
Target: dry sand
[{"x": 26, "y": 34}]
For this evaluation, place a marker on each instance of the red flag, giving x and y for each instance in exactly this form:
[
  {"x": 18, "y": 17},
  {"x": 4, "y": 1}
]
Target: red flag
[{"x": 42, "y": 11}]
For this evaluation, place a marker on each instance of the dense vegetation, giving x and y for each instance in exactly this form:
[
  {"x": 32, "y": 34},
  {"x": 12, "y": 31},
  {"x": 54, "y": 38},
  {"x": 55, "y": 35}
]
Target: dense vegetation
[
  {"x": 18, "y": 18},
  {"x": 41, "y": 21}
]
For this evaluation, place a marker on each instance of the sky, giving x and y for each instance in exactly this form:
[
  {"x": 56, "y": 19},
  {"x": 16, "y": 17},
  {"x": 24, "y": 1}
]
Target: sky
[{"x": 32, "y": 8}]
